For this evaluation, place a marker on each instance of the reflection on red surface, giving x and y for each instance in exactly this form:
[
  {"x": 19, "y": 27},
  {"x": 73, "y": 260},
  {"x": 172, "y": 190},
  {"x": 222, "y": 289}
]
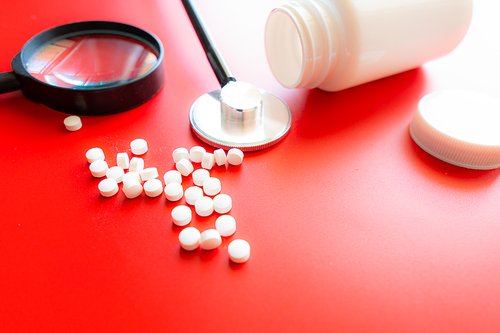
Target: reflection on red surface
[{"x": 91, "y": 61}]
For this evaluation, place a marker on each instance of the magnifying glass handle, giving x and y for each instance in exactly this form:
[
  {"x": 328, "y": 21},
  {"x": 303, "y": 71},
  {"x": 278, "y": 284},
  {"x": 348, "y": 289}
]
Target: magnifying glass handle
[
  {"x": 219, "y": 65},
  {"x": 9, "y": 82}
]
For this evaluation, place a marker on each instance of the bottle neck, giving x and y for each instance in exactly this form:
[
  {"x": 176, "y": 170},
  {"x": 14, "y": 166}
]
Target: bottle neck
[{"x": 302, "y": 41}]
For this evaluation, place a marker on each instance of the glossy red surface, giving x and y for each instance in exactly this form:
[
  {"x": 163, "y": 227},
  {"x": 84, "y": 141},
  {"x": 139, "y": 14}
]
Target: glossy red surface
[{"x": 353, "y": 227}]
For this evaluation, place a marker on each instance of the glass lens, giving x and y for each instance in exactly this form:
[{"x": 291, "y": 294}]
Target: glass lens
[{"x": 91, "y": 61}]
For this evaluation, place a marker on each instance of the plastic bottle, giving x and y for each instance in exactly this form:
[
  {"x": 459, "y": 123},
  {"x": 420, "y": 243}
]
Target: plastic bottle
[{"x": 337, "y": 44}]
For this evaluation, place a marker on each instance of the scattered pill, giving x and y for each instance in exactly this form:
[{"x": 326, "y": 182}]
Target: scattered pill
[
  {"x": 211, "y": 186},
  {"x": 148, "y": 173},
  {"x": 208, "y": 161},
  {"x": 181, "y": 215},
  {"x": 98, "y": 168},
  {"x": 108, "y": 187},
  {"x": 225, "y": 225},
  {"x": 132, "y": 189},
  {"x": 172, "y": 176},
  {"x": 234, "y": 156},
  {"x": 220, "y": 157},
  {"x": 239, "y": 251},
  {"x": 153, "y": 188},
  {"x": 122, "y": 160},
  {"x": 116, "y": 173},
  {"x": 210, "y": 239},
  {"x": 94, "y": 154},
  {"x": 222, "y": 203},
  {"x": 204, "y": 206},
  {"x": 173, "y": 191},
  {"x": 180, "y": 153},
  {"x": 136, "y": 164},
  {"x": 73, "y": 123},
  {"x": 200, "y": 175},
  {"x": 189, "y": 238},
  {"x": 131, "y": 175},
  {"x": 184, "y": 167},
  {"x": 139, "y": 146},
  {"x": 196, "y": 154},
  {"x": 192, "y": 194}
]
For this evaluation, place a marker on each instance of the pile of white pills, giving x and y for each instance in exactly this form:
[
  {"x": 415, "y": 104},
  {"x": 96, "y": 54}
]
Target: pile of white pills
[{"x": 204, "y": 197}]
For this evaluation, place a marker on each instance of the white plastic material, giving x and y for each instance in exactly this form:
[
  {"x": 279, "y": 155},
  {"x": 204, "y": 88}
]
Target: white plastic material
[
  {"x": 173, "y": 191},
  {"x": 189, "y": 238},
  {"x": 132, "y": 189},
  {"x": 139, "y": 146},
  {"x": 196, "y": 153},
  {"x": 180, "y": 153},
  {"x": 212, "y": 186},
  {"x": 172, "y": 176},
  {"x": 72, "y": 123},
  {"x": 210, "y": 239},
  {"x": 239, "y": 251},
  {"x": 225, "y": 225},
  {"x": 122, "y": 160},
  {"x": 220, "y": 157},
  {"x": 204, "y": 206},
  {"x": 181, "y": 215},
  {"x": 153, "y": 188},
  {"x": 108, "y": 187},
  {"x": 335, "y": 45},
  {"x": 131, "y": 175},
  {"x": 192, "y": 194},
  {"x": 200, "y": 175},
  {"x": 208, "y": 161},
  {"x": 184, "y": 166},
  {"x": 98, "y": 168},
  {"x": 149, "y": 173},
  {"x": 115, "y": 173},
  {"x": 94, "y": 154},
  {"x": 234, "y": 156},
  {"x": 223, "y": 203},
  {"x": 459, "y": 127},
  {"x": 136, "y": 164}
]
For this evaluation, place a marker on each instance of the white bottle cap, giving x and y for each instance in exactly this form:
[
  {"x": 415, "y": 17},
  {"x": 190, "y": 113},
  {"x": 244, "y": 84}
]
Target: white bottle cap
[{"x": 459, "y": 127}]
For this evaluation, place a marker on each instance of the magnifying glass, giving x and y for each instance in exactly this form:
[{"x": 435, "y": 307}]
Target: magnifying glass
[{"x": 88, "y": 68}]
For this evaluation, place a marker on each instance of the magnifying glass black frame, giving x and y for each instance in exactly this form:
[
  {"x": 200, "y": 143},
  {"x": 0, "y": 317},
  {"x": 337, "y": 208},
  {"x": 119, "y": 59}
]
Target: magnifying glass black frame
[{"x": 101, "y": 100}]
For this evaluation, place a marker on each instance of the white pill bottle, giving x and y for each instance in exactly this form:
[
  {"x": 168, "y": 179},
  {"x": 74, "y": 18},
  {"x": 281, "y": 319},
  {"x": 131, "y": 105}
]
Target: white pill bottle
[{"x": 338, "y": 44}]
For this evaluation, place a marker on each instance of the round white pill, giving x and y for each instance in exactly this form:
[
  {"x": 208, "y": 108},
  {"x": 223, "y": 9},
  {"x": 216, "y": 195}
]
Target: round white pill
[
  {"x": 225, "y": 225},
  {"x": 184, "y": 167},
  {"x": 239, "y": 251},
  {"x": 98, "y": 168},
  {"x": 136, "y": 164},
  {"x": 108, "y": 187},
  {"x": 132, "y": 189},
  {"x": 73, "y": 123},
  {"x": 234, "y": 156},
  {"x": 210, "y": 239},
  {"x": 196, "y": 154},
  {"x": 220, "y": 157},
  {"x": 181, "y": 215},
  {"x": 153, "y": 188},
  {"x": 192, "y": 194},
  {"x": 208, "y": 161},
  {"x": 172, "y": 176},
  {"x": 200, "y": 175},
  {"x": 94, "y": 154},
  {"x": 116, "y": 173},
  {"x": 173, "y": 191},
  {"x": 131, "y": 175},
  {"x": 122, "y": 160},
  {"x": 223, "y": 203},
  {"x": 189, "y": 238},
  {"x": 148, "y": 173},
  {"x": 180, "y": 153},
  {"x": 204, "y": 206},
  {"x": 211, "y": 186},
  {"x": 139, "y": 146}
]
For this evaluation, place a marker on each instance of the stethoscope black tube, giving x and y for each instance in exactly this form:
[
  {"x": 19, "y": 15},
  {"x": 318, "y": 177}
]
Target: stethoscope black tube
[
  {"x": 9, "y": 82},
  {"x": 219, "y": 66}
]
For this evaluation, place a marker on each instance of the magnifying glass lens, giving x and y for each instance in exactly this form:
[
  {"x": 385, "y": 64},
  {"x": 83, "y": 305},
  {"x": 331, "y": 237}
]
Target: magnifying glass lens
[{"x": 91, "y": 61}]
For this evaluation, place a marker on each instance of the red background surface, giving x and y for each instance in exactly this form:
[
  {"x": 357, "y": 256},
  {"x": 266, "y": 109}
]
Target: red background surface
[{"x": 353, "y": 227}]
